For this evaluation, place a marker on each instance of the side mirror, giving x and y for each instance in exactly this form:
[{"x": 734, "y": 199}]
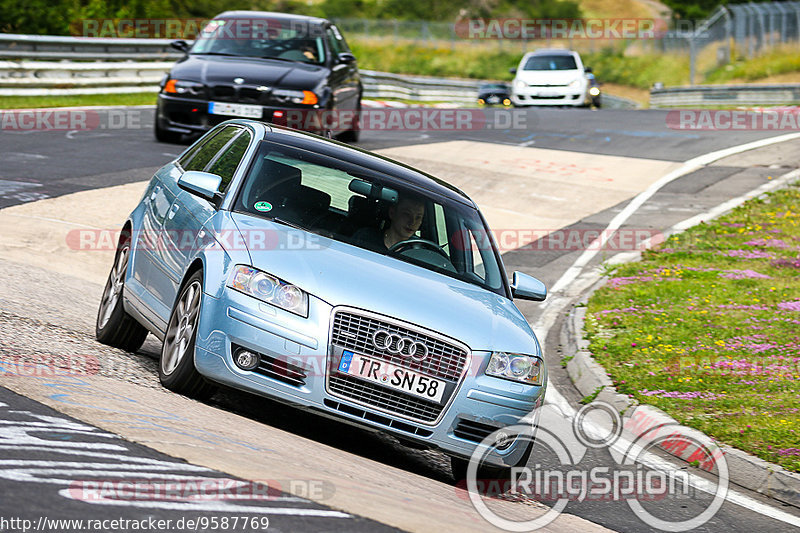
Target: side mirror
[
  {"x": 527, "y": 287},
  {"x": 202, "y": 184},
  {"x": 587, "y": 70},
  {"x": 513, "y": 70},
  {"x": 180, "y": 45},
  {"x": 346, "y": 58}
]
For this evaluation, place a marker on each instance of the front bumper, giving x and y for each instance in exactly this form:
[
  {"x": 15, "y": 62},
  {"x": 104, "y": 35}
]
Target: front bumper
[
  {"x": 299, "y": 354},
  {"x": 549, "y": 96},
  {"x": 189, "y": 116}
]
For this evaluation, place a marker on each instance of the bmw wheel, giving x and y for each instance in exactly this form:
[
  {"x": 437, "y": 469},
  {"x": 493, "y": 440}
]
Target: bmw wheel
[
  {"x": 114, "y": 326},
  {"x": 176, "y": 368}
]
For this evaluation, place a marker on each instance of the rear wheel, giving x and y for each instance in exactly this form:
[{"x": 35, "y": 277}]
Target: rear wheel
[
  {"x": 176, "y": 368},
  {"x": 114, "y": 326}
]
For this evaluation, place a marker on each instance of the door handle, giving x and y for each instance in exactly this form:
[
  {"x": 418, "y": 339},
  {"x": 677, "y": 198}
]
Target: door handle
[{"x": 173, "y": 210}]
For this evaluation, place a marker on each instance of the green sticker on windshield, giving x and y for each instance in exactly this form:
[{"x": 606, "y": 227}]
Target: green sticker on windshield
[{"x": 263, "y": 206}]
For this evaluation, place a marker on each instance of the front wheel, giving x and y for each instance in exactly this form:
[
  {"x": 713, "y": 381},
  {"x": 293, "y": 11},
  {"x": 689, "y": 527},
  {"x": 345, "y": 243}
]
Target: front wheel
[
  {"x": 166, "y": 136},
  {"x": 176, "y": 368},
  {"x": 114, "y": 326}
]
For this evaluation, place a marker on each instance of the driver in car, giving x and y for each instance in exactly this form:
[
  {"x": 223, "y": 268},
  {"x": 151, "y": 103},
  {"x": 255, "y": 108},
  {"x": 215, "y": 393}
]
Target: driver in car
[{"x": 405, "y": 218}]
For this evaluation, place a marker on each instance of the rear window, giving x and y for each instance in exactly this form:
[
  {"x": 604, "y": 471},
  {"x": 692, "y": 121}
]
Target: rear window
[{"x": 554, "y": 62}]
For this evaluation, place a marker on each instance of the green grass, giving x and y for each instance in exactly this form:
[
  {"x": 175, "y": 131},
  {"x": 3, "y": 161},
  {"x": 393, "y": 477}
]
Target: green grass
[
  {"x": 26, "y": 102},
  {"x": 781, "y": 60},
  {"x": 707, "y": 328}
]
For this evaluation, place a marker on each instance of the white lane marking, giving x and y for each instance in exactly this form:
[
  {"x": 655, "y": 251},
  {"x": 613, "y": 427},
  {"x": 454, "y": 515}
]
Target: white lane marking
[
  {"x": 219, "y": 507},
  {"x": 551, "y": 311},
  {"x": 689, "y": 166},
  {"x": 8, "y": 186},
  {"x": 653, "y": 461},
  {"x": 59, "y": 221}
]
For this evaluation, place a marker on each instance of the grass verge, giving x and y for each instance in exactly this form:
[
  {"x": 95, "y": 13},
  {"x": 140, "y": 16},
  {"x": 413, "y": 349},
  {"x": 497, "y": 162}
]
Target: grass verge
[
  {"x": 78, "y": 100},
  {"x": 707, "y": 328}
]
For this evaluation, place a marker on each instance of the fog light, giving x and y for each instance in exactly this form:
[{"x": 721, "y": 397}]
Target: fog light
[{"x": 246, "y": 360}]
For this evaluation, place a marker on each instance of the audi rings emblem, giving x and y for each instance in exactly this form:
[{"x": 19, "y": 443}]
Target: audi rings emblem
[{"x": 399, "y": 345}]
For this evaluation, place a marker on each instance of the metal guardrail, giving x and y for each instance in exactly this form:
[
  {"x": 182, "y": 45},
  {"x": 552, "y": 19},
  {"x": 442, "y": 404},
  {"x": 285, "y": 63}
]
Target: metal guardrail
[
  {"x": 725, "y": 95},
  {"x": 137, "y": 65},
  {"x": 40, "y": 47}
]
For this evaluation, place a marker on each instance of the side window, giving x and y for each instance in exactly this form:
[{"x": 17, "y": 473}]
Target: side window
[
  {"x": 336, "y": 47},
  {"x": 226, "y": 163},
  {"x": 205, "y": 153},
  {"x": 339, "y": 38}
]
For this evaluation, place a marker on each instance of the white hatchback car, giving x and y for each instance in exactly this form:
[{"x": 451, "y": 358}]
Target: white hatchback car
[{"x": 551, "y": 77}]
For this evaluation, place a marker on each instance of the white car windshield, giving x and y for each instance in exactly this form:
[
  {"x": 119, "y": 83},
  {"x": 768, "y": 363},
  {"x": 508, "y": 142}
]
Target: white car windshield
[
  {"x": 262, "y": 38},
  {"x": 358, "y": 206},
  {"x": 550, "y": 62}
]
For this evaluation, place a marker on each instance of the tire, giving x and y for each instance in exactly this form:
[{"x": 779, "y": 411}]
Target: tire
[
  {"x": 459, "y": 467},
  {"x": 166, "y": 136},
  {"x": 114, "y": 326},
  {"x": 176, "y": 368},
  {"x": 352, "y": 135}
]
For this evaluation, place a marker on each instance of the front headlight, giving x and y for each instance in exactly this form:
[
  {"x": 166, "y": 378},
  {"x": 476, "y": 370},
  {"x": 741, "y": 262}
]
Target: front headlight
[
  {"x": 183, "y": 87},
  {"x": 269, "y": 289},
  {"x": 519, "y": 85},
  {"x": 594, "y": 91},
  {"x": 575, "y": 83},
  {"x": 527, "y": 369},
  {"x": 295, "y": 97}
]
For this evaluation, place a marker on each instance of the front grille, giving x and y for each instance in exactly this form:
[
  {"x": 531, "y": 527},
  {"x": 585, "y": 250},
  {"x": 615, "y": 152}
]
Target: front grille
[
  {"x": 354, "y": 332},
  {"x": 472, "y": 430},
  {"x": 388, "y": 399},
  {"x": 281, "y": 370},
  {"x": 242, "y": 95}
]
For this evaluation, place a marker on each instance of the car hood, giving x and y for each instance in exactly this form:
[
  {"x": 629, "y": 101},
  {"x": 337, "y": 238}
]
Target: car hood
[
  {"x": 216, "y": 70},
  {"x": 549, "y": 77},
  {"x": 342, "y": 274}
]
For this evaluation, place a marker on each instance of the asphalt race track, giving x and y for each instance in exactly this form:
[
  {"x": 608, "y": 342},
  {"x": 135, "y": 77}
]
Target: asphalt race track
[{"x": 558, "y": 171}]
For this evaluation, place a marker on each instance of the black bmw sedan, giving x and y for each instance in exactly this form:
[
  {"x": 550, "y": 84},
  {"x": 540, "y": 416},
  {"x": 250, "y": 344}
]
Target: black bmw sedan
[{"x": 263, "y": 66}]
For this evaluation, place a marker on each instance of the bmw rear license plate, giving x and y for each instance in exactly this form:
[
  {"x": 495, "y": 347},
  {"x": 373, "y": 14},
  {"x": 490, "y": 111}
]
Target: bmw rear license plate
[
  {"x": 234, "y": 110},
  {"x": 392, "y": 376}
]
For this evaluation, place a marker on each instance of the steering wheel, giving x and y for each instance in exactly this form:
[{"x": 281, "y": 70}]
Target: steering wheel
[{"x": 416, "y": 242}]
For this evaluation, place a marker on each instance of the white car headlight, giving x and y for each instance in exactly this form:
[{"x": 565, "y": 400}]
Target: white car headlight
[
  {"x": 575, "y": 83},
  {"x": 269, "y": 289},
  {"x": 528, "y": 369},
  {"x": 519, "y": 85}
]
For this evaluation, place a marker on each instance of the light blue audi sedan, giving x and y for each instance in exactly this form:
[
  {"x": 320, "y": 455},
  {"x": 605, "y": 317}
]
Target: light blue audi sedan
[{"x": 331, "y": 279}]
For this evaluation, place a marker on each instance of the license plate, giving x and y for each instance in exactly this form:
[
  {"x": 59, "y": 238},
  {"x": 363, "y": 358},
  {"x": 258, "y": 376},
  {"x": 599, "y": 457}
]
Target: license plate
[
  {"x": 547, "y": 94},
  {"x": 392, "y": 376},
  {"x": 234, "y": 110}
]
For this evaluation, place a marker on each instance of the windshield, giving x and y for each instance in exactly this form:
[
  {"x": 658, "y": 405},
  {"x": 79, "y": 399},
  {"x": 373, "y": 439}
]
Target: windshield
[
  {"x": 261, "y": 38},
  {"x": 555, "y": 62},
  {"x": 360, "y": 207}
]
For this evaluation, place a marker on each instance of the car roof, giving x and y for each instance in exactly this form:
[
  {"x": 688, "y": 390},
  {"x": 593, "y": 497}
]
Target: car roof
[
  {"x": 270, "y": 15},
  {"x": 552, "y": 52},
  {"x": 360, "y": 157}
]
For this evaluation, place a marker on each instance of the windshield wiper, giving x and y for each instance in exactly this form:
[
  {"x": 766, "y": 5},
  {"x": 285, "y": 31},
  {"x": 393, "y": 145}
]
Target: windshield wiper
[
  {"x": 279, "y": 220},
  {"x": 217, "y": 54},
  {"x": 278, "y": 58}
]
